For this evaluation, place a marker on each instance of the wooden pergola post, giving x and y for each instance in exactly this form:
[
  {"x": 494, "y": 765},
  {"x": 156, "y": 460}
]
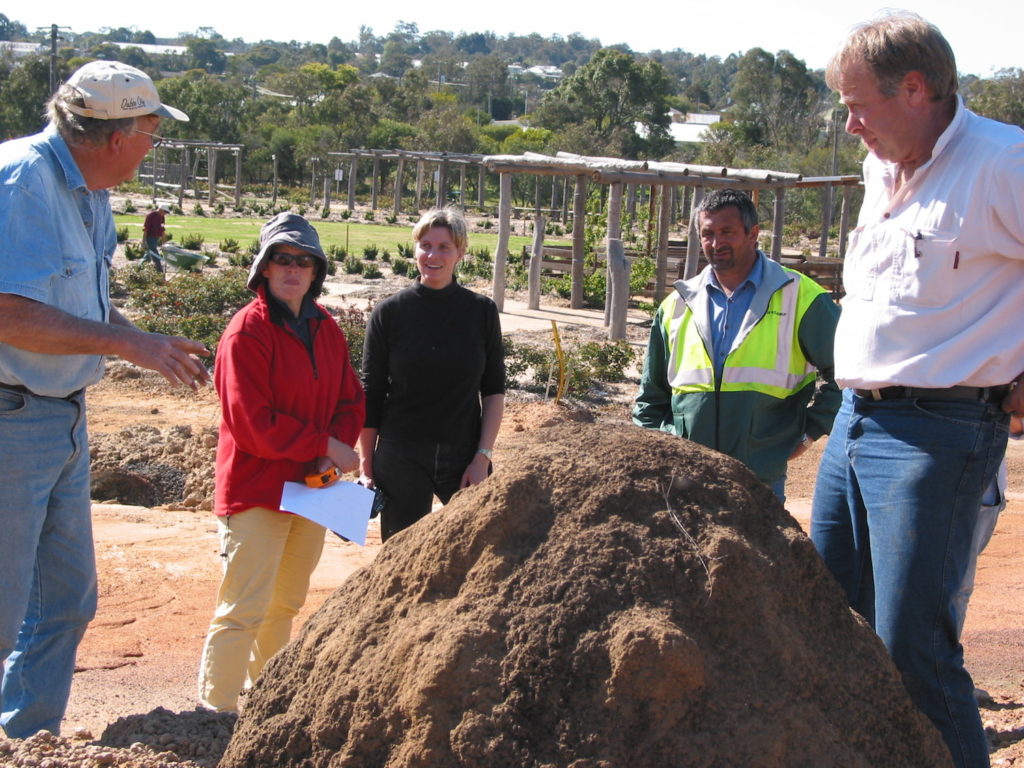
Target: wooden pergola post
[
  {"x": 614, "y": 229},
  {"x": 536, "y": 263},
  {"x": 652, "y": 218},
  {"x": 614, "y": 233},
  {"x": 693, "y": 238},
  {"x": 481, "y": 186},
  {"x": 504, "y": 229},
  {"x": 462, "y": 185},
  {"x": 419, "y": 184},
  {"x": 826, "y": 219},
  {"x": 184, "y": 177},
  {"x": 779, "y": 213},
  {"x": 631, "y": 203},
  {"x": 374, "y": 185},
  {"x": 579, "y": 224},
  {"x": 353, "y": 170},
  {"x": 238, "y": 178},
  {"x": 618, "y": 285},
  {"x": 211, "y": 167},
  {"x": 442, "y": 183},
  {"x": 664, "y": 224},
  {"x": 399, "y": 181}
]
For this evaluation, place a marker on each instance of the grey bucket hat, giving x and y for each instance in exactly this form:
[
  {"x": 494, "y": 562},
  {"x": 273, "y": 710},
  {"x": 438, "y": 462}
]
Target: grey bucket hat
[{"x": 292, "y": 229}]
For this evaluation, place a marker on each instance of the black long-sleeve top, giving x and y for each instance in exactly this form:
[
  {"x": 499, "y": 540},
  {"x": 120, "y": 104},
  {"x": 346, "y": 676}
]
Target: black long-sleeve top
[{"x": 429, "y": 357}]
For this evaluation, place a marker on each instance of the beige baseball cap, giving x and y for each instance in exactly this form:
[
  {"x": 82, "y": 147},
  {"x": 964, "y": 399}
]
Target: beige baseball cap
[{"x": 112, "y": 90}]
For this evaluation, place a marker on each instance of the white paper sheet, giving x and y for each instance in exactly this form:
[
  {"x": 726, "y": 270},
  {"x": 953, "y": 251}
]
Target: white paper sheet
[{"x": 343, "y": 507}]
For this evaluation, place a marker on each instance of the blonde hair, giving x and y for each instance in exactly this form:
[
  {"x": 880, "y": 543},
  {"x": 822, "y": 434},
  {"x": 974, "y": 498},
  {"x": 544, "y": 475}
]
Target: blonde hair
[
  {"x": 893, "y": 44},
  {"x": 448, "y": 217}
]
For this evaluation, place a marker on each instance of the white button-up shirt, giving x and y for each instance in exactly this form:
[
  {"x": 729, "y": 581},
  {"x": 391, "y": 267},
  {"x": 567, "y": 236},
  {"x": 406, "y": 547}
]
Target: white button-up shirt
[{"x": 934, "y": 272}]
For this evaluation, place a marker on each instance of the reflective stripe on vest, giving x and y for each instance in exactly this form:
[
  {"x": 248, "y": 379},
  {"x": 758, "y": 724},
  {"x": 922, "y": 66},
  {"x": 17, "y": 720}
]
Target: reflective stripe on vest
[{"x": 769, "y": 360}]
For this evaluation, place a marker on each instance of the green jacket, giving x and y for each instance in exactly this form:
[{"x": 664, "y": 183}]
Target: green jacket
[{"x": 758, "y": 415}]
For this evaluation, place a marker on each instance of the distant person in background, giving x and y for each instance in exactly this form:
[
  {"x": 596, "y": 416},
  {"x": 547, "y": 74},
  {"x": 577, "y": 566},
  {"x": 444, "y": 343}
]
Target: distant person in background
[
  {"x": 434, "y": 373},
  {"x": 153, "y": 234},
  {"x": 734, "y": 352},
  {"x": 291, "y": 405},
  {"x": 930, "y": 351},
  {"x": 57, "y": 239}
]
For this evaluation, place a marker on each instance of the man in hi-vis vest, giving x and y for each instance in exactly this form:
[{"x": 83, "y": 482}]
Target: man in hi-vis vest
[{"x": 735, "y": 352}]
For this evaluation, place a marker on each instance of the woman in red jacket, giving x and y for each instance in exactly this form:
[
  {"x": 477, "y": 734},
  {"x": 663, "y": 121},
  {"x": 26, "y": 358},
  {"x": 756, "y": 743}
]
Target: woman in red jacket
[{"x": 291, "y": 405}]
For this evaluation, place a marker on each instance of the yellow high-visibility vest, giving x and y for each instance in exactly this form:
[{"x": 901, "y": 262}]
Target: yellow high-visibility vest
[{"x": 769, "y": 360}]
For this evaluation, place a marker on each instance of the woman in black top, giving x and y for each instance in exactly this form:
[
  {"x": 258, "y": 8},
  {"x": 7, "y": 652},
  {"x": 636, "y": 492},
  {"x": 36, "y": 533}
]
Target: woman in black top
[{"x": 434, "y": 375}]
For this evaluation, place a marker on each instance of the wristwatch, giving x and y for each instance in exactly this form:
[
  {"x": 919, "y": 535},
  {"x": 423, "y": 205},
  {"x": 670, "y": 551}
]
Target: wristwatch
[{"x": 486, "y": 452}]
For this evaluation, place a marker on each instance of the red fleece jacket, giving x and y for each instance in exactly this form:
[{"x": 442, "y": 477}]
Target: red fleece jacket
[{"x": 279, "y": 404}]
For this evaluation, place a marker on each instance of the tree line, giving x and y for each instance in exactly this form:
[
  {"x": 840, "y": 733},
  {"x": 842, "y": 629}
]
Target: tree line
[{"x": 440, "y": 91}]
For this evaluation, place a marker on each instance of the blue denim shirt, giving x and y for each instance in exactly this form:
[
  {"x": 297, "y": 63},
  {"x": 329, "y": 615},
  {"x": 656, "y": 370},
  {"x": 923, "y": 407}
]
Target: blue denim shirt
[
  {"x": 725, "y": 313},
  {"x": 56, "y": 242}
]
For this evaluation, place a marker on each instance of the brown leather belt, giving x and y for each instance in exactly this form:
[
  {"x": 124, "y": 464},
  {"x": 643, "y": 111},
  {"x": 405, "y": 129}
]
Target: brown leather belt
[{"x": 987, "y": 394}]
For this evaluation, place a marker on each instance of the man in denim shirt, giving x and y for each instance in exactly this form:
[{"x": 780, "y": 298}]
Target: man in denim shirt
[{"x": 56, "y": 324}]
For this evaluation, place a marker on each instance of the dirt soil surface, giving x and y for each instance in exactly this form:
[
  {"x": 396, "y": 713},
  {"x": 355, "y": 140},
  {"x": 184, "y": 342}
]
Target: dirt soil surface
[
  {"x": 649, "y": 604},
  {"x": 133, "y": 698}
]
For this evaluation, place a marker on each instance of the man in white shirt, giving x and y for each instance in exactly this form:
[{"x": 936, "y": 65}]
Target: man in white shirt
[{"x": 929, "y": 350}]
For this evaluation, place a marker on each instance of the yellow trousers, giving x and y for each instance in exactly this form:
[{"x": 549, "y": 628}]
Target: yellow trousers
[{"x": 268, "y": 560}]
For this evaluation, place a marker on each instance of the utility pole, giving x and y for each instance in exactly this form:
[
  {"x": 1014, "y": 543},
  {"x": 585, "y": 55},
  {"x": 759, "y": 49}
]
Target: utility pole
[{"x": 52, "y": 30}]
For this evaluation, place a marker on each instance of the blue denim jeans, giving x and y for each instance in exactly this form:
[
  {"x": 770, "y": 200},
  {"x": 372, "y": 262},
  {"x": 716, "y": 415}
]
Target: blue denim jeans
[
  {"x": 988, "y": 516},
  {"x": 410, "y": 474},
  {"x": 47, "y": 563},
  {"x": 895, "y": 508}
]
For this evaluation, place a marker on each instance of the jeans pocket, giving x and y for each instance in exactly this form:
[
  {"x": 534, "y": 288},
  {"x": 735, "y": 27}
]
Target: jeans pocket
[
  {"x": 964, "y": 413},
  {"x": 11, "y": 403}
]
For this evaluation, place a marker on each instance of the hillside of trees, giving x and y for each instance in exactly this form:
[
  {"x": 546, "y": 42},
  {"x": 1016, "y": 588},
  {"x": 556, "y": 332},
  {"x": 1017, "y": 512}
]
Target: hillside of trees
[{"x": 439, "y": 91}]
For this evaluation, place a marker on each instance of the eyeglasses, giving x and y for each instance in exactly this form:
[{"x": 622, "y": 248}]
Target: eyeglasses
[
  {"x": 155, "y": 139},
  {"x": 301, "y": 260}
]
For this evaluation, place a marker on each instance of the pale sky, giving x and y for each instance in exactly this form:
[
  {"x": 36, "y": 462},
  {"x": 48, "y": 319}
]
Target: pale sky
[{"x": 985, "y": 34}]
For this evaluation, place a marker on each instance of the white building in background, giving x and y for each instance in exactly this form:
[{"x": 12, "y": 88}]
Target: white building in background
[
  {"x": 157, "y": 50},
  {"x": 21, "y": 50},
  {"x": 690, "y": 127},
  {"x": 686, "y": 127}
]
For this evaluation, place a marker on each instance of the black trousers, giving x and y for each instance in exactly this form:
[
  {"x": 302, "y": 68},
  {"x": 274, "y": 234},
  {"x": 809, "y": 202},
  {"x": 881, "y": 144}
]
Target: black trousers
[{"x": 410, "y": 474}]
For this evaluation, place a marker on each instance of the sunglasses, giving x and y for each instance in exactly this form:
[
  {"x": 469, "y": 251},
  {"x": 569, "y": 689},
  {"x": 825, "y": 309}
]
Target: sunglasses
[
  {"x": 301, "y": 260},
  {"x": 155, "y": 139}
]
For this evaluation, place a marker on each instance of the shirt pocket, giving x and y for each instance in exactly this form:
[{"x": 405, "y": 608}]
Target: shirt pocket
[
  {"x": 925, "y": 268},
  {"x": 73, "y": 289}
]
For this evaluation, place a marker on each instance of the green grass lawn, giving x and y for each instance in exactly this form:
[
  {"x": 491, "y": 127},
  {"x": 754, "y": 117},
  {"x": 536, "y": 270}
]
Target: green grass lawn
[{"x": 352, "y": 235}]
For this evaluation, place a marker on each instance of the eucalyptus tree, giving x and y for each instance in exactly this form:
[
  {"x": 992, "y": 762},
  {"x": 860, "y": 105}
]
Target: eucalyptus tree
[{"x": 604, "y": 101}]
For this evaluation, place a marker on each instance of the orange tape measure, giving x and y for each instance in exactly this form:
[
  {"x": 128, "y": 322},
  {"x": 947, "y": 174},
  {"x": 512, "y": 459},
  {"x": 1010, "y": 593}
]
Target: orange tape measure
[{"x": 320, "y": 479}]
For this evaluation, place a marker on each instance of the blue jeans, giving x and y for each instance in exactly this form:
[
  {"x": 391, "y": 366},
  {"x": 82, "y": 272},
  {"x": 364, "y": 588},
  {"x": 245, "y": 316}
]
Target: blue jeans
[
  {"x": 47, "y": 564},
  {"x": 410, "y": 474},
  {"x": 895, "y": 508},
  {"x": 988, "y": 516}
]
